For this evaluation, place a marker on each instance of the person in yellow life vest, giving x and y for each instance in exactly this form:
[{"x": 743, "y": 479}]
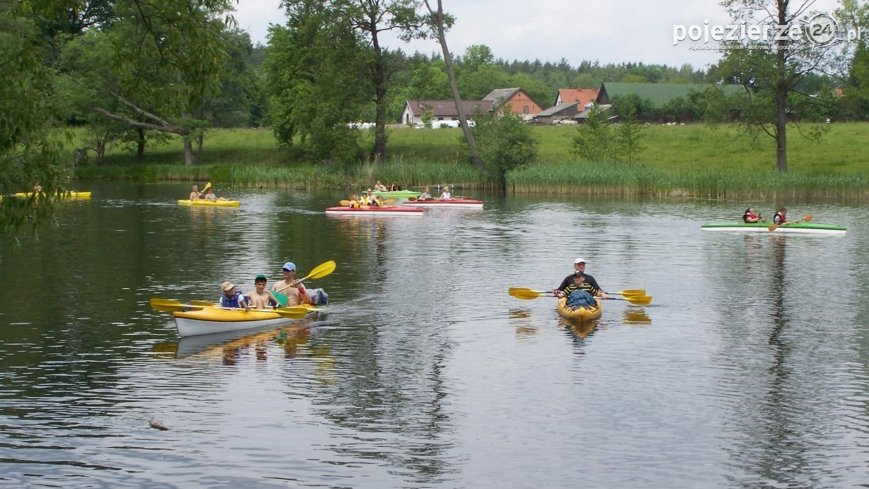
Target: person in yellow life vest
[
  {"x": 378, "y": 201},
  {"x": 364, "y": 200},
  {"x": 354, "y": 201}
]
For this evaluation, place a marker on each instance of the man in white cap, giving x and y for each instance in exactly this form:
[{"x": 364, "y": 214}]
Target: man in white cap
[
  {"x": 579, "y": 268},
  {"x": 231, "y": 297}
]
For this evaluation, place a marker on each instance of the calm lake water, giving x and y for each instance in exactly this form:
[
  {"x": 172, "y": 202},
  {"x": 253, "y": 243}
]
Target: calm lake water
[{"x": 749, "y": 369}]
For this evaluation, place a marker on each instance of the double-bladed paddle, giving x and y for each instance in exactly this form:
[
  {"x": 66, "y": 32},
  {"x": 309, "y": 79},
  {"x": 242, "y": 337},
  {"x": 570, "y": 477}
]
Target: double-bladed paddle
[
  {"x": 171, "y": 305},
  {"x": 525, "y": 293},
  {"x": 319, "y": 271}
]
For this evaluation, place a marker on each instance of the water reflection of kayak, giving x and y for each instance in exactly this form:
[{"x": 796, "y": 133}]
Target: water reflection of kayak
[
  {"x": 389, "y": 210},
  {"x": 65, "y": 195},
  {"x": 446, "y": 203},
  {"x": 215, "y": 344}
]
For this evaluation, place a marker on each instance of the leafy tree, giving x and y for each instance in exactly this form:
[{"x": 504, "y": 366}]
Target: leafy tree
[
  {"x": 477, "y": 56},
  {"x": 638, "y": 107},
  {"x": 29, "y": 152},
  {"x": 82, "y": 84},
  {"x": 855, "y": 102},
  {"x": 505, "y": 143},
  {"x": 593, "y": 139},
  {"x": 429, "y": 81},
  {"x": 770, "y": 68},
  {"x": 160, "y": 65},
  {"x": 628, "y": 137},
  {"x": 316, "y": 77},
  {"x": 231, "y": 104},
  {"x": 370, "y": 19},
  {"x": 477, "y": 74}
]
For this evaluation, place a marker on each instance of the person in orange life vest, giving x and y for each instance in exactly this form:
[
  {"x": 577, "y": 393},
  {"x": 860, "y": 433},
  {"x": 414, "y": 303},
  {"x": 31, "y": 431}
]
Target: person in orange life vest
[
  {"x": 780, "y": 216},
  {"x": 750, "y": 216}
]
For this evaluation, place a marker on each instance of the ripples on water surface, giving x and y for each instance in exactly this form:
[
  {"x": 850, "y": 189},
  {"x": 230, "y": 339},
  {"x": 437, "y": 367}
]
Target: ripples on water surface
[{"x": 749, "y": 369}]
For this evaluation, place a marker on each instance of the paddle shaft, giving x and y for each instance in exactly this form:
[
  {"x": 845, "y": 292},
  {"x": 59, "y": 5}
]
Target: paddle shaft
[
  {"x": 530, "y": 294},
  {"x": 205, "y": 188}
]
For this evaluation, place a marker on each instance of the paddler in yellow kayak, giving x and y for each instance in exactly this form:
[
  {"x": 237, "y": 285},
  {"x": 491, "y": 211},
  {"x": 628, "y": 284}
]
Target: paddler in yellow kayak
[
  {"x": 260, "y": 297},
  {"x": 297, "y": 294},
  {"x": 231, "y": 297}
]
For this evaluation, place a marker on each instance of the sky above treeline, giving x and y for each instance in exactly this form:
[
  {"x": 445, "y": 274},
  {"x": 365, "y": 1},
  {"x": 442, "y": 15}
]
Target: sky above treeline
[{"x": 668, "y": 32}]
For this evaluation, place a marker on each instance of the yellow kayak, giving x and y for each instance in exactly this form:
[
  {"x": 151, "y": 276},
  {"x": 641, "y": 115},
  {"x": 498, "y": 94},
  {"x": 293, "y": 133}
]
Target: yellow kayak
[
  {"x": 580, "y": 314},
  {"x": 210, "y": 203},
  {"x": 65, "y": 195},
  {"x": 215, "y": 319}
]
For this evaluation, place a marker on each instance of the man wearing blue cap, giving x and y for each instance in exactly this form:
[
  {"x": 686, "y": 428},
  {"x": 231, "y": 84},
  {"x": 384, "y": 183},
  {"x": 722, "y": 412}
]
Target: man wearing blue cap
[{"x": 296, "y": 292}]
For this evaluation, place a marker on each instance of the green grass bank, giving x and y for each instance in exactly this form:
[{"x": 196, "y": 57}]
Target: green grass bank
[{"x": 677, "y": 161}]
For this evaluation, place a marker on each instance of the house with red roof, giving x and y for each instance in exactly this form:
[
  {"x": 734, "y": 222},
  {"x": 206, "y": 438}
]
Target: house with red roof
[
  {"x": 582, "y": 96},
  {"x": 443, "y": 113}
]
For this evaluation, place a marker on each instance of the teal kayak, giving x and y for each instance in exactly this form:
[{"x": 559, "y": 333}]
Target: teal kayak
[{"x": 786, "y": 228}]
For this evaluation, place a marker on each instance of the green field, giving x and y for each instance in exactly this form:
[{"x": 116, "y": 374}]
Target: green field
[{"x": 686, "y": 160}]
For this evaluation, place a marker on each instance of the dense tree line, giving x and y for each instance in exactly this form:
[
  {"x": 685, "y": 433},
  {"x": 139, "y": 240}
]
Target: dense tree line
[
  {"x": 134, "y": 72},
  {"x": 138, "y": 71}
]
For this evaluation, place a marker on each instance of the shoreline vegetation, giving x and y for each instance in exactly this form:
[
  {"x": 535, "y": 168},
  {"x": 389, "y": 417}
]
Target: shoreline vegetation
[{"x": 678, "y": 161}]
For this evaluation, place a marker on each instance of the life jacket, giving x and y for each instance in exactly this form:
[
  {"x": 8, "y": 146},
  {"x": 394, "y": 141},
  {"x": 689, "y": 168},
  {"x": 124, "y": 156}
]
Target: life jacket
[
  {"x": 585, "y": 286},
  {"x": 780, "y": 218},
  {"x": 234, "y": 301}
]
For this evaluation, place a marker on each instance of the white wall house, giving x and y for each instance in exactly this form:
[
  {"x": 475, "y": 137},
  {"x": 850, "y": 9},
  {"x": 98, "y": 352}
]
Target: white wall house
[{"x": 443, "y": 112}]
